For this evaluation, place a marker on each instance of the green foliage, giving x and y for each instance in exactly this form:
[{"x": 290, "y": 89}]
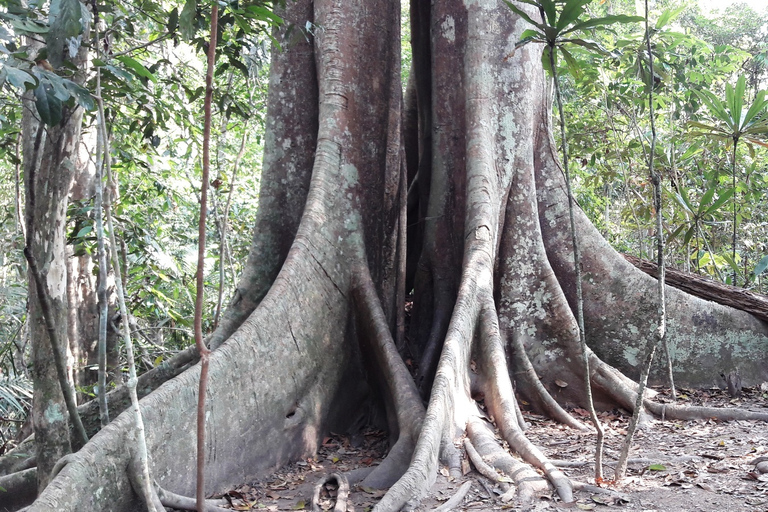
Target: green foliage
[
  {"x": 561, "y": 23},
  {"x": 733, "y": 120},
  {"x": 608, "y": 130}
]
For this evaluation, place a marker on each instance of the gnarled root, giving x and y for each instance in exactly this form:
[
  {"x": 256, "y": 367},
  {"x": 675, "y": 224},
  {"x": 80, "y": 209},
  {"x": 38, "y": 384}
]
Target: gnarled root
[
  {"x": 173, "y": 500},
  {"x": 527, "y": 481},
  {"x": 342, "y": 492}
]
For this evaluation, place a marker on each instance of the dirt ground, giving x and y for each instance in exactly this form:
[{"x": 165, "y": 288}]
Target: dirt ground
[{"x": 702, "y": 466}]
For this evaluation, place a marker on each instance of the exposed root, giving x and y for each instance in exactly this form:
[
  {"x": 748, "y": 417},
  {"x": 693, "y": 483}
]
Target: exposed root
[
  {"x": 441, "y": 317},
  {"x": 392, "y": 467},
  {"x": 692, "y": 412},
  {"x": 528, "y": 482},
  {"x": 450, "y": 456},
  {"x": 173, "y": 500},
  {"x": 525, "y": 368},
  {"x": 449, "y": 388},
  {"x": 581, "y": 486},
  {"x": 482, "y": 467},
  {"x": 609, "y": 379},
  {"x": 144, "y": 490},
  {"x": 66, "y": 459},
  {"x": 18, "y": 489},
  {"x": 500, "y": 404},
  {"x": 531, "y": 454},
  {"x": 342, "y": 493},
  {"x": 119, "y": 399},
  {"x": 16, "y": 460},
  {"x": 399, "y": 386},
  {"x": 456, "y": 499}
]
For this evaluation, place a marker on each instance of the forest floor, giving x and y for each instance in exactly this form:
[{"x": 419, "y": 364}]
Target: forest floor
[{"x": 702, "y": 466}]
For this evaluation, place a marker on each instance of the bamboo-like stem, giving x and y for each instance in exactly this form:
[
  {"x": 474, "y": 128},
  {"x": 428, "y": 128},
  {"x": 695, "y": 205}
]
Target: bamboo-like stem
[
  {"x": 577, "y": 269},
  {"x": 735, "y": 203},
  {"x": 224, "y": 226},
  {"x": 144, "y": 479},
  {"x": 199, "y": 342},
  {"x": 660, "y": 334},
  {"x": 101, "y": 253}
]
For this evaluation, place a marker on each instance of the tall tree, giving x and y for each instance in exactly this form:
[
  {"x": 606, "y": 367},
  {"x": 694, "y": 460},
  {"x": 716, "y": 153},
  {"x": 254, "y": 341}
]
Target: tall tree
[
  {"x": 51, "y": 130},
  {"x": 493, "y": 285}
]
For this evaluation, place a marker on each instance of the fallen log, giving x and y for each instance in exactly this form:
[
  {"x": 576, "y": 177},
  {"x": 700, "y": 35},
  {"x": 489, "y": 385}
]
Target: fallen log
[{"x": 708, "y": 289}]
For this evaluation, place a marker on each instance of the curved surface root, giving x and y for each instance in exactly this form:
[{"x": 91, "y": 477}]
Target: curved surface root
[
  {"x": 610, "y": 380},
  {"x": 177, "y": 501},
  {"x": 18, "y": 489},
  {"x": 399, "y": 386},
  {"x": 546, "y": 401}
]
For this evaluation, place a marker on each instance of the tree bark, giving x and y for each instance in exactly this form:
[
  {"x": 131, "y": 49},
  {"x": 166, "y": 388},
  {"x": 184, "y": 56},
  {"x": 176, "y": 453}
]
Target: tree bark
[{"x": 49, "y": 162}]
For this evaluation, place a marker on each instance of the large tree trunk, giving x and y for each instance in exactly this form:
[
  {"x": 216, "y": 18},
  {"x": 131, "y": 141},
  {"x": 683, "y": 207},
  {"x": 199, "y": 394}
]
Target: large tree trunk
[{"x": 493, "y": 283}]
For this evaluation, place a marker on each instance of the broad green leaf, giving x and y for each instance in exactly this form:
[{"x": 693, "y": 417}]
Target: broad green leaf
[
  {"x": 84, "y": 231},
  {"x": 550, "y": 11},
  {"x": 81, "y": 95},
  {"x": 668, "y": 15},
  {"x": 721, "y": 200},
  {"x": 531, "y": 34},
  {"x": 18, "y": 77},
  {"x": 657, "y": 467},
  {"x": 605, "y": 21},
  {"x": 733, "y": 264},
  {"x": 137, "y": 67},
  {"x": 706, "y": 199},
  {"x": 761, "y": 265},
  {"x": 262, "y": 13},
  {"x": 525, "y": 16},
  {"x": 683, "y": 199},
  {"x": 587, "y": 43},
  {"x": 59, "y": 88},
  {"x": 573, "y": 65},
  {"x": 693, "y": 149},
  {"x": 689, "y": 234},
  {"x": 66, "y": 21},
  {"x": 676, "y": 233},
  {"x": 173, "y": 20},
  {"x": 29, "y": 26},
  {"x": 571, "y": 12},
  {"x": 47, "y": 104},
  {"x": 737, "y": 102},
  {"x": 187, "y": 20},
  {"x": 119, "y": 73},
  {"x": 758, "y": 105},
  {"x": 715, "y": 106}
]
